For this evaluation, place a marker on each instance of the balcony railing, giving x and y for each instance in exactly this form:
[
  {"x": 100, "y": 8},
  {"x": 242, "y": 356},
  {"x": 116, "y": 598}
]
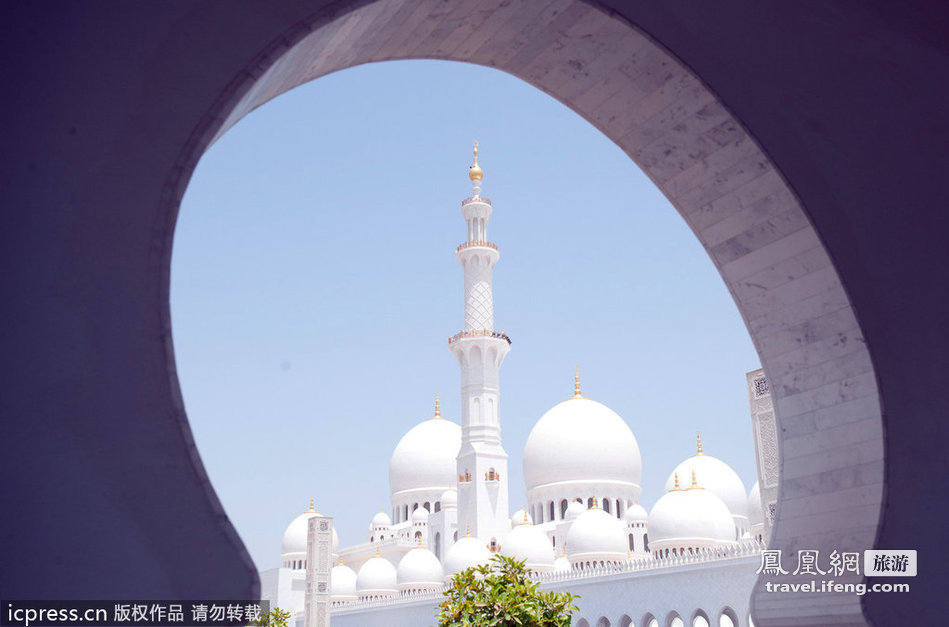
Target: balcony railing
[
  {"x": 476, "y": 242},
  {"x": 479, "y": 333},
  {"x": 468, "y": 201}
]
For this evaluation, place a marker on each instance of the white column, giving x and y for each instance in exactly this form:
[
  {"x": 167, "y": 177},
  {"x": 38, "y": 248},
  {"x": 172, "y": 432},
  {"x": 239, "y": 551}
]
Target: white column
[
  {"x": 480, "y": 349},
  {"x": 319, "y": 547}
]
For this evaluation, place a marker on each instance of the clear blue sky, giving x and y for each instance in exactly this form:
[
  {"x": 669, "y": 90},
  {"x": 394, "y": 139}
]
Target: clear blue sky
[{"x": 314, "y": 287}]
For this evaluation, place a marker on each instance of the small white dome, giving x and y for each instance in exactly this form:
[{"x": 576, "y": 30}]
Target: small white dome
[
  {"x": 755, "y": 515},
  {"x": 581, "y": 440},
  {"x": 425, "y": 457},
  {"x": 449, "y": 498},
  {"x": 465, "y": 553},
  {"x": 574, "y": 510},
  {"x": 380, "y": 520},
  {"x": 636, "y": 513},
  {"x": 530, "y": 544},
  {"x": 693, "y": 517},
  {"x": 562, "y": 564},
  {"x": 343, "y": 586},
  {"x": 377, "y": 577},
  {"x": 294, "y": 538},
  {"x": 715, "y": 476},
  {"x": 420, "y": 515},
  {"x": 419, "y": 568},
  {"x": 596, "y": 535},
  {"x": 521, "y": 517}
]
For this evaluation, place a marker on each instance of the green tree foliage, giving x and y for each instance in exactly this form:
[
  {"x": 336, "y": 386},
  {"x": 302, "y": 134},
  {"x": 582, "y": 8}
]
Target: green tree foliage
[
  {"x": 500, "y": 594},
  {"x": 276, "y": 618}
]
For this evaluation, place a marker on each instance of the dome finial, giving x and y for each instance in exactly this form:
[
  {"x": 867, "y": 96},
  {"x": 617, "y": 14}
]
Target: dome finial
[
  {"x": 676, "y": 475},
  {"x": 311, "y": 510},
  {"x": 595, "y": 504},
  {"x": 475, "y": 173},
  {"x": 525, "y": 515},
  {"x": 438, "y": 411},
  {"x": 420, "y": 541},
  {"x": 576, "y": 384},
  {"x": 698, "y": 437},
  {"x": 468, "y": 531},
  {"x": 378, "y": 552},
  {"x": 695, "y": 484}
]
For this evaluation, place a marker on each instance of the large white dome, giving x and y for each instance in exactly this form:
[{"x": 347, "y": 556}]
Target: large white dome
[
  {"x": 343, "y": 586},
  {"x": 377, "y": 577},
  {"x": 581, "y": 440},
  {"x": 717, "y": 477},
  {"x": 425, "y": 457},
  {"x": 690, "y": 518},
  {"x": 530, "y": 544},
  {"x": 465, "y": 553},
  {"x": 419, "y": 569},
  {"x": 596, "y": 536},
  {"x": 294, "y": 538}
]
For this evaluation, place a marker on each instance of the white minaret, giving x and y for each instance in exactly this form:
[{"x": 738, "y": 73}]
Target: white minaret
[{"x": 482, "y": 462}]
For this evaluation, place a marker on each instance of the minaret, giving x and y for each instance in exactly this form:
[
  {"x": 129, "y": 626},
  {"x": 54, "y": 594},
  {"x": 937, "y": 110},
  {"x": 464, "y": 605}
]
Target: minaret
[{"x": 482, "y": 462}]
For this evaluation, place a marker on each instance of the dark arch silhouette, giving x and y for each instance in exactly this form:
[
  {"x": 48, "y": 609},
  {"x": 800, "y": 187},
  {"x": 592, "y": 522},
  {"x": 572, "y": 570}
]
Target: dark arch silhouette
[{"x": 115, "y": 103}]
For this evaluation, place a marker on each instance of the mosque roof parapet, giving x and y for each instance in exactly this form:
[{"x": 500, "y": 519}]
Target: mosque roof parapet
[
  {"x": 479, "y": 333},
  {"x": 473, "y": 243},
  {"x": 471, "y": 199},
  {"x": 747, "y": 549}
]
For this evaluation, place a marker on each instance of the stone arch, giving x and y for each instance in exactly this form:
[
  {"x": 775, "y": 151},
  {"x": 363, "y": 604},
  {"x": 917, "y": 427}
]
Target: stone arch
[
  {"x": 603, "y": 622},
  {"x": 700, "y": 619},
  {"x": 727, "y": 618},
  {"x": 625, "y": 621},
  {"x": 649, "y": 620},
  {"x": 718, "y": 178}
]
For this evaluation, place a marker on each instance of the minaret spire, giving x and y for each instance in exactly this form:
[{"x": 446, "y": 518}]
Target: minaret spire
[{"x": 480, "y": 349}]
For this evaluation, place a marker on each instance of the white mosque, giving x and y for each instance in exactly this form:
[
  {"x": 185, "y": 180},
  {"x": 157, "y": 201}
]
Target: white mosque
[{"x": 689, "y": 561}]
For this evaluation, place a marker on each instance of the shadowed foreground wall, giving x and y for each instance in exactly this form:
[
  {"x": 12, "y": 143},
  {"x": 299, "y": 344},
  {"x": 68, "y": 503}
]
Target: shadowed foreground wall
[{"x": 106, "y": 107}]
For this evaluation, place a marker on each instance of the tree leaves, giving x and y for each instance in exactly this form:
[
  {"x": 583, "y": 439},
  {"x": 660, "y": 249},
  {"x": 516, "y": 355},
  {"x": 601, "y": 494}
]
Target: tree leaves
[{"x": 501, "y": 594}]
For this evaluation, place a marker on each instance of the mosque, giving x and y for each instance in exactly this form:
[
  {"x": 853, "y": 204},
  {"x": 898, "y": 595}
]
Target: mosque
[{"x": 690, "y": 560}]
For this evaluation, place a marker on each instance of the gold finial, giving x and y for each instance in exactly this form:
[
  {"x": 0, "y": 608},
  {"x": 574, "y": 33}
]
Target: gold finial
[
  {"x": 676, "y": 475},
  {"x": 565, "y": 549},
  {"x": 438, "y": 411},
  {"x": 311, "y": 510},
  {"x": 468, "y": 532},
  {"x": 698, "y": 437},
  {"x": 340, "y": 560},
  {"x": 695, "y": 484},
  {"x": 525, "y": 516},
  {"x": 378, "y": 553},
  {"x": 420, "y": 542},
  {"x": 475, "y": 173},
  {"x": 576, "y": 384},
  {"x": 595, "y": 504}
]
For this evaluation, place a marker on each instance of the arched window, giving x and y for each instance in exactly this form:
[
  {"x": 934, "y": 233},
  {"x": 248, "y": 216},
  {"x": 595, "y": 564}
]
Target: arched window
[
  {"x": 406, "y": 516},
  {"x": 418, "y": 535},
  {"x": 589, "y": 502},
  {"x": 438, "y": 506},
  {"x": 606, "y": 506},
  {"x": 414, "y": 506},
  {"x": 620, "y": 510},
  {"x": 645, "y": 542},
  {"x": 427, "y": 506},
  {"x": 553, "y": 539},
  {"x": 632, "y": 543},
  {"x": 563, "y": 508},
  {"x": 699, "y": 620},
  {"x": 438, "y": 545},
  {"x": 551, "y": 508},
  {"x": 456, "y": 536}
]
